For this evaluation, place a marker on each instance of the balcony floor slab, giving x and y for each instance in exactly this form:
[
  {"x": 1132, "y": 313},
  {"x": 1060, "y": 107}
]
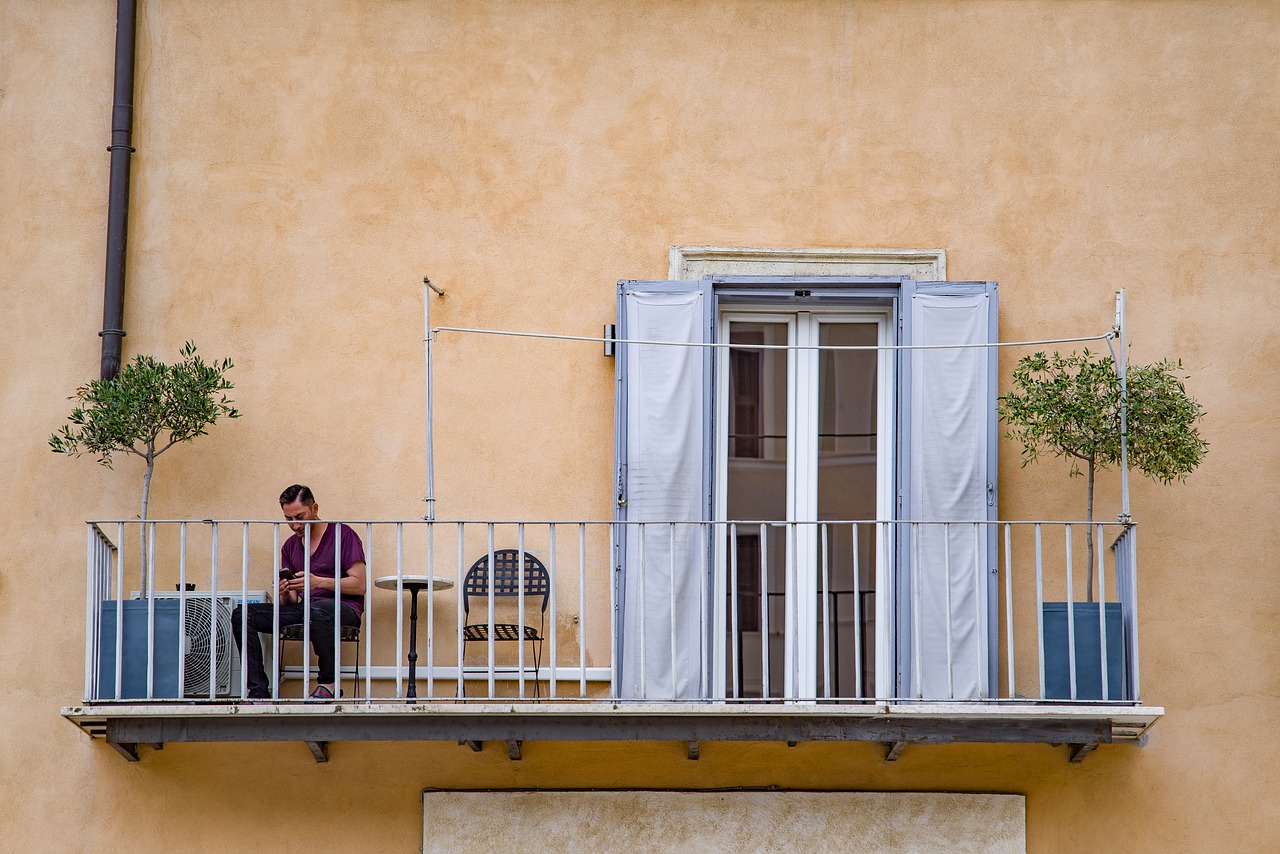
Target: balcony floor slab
[{"x": 125, "y": 725}]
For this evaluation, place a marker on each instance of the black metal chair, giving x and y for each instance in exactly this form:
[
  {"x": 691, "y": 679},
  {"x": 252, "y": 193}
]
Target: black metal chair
[
  {"x": 507, "y": 581},
  {"x": 348, "y": 634}
]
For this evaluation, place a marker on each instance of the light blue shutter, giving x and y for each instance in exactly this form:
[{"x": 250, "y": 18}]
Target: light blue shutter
[
  {"x": 947, "y": 473},
  {"x": 663, "y": 476}
]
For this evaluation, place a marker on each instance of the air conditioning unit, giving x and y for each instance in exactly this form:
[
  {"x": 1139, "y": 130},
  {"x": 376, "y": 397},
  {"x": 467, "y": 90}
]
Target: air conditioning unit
[{"x": 207, "y": 643}]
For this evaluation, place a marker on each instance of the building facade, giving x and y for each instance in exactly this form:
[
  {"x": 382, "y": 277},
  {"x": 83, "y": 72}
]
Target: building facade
[{"x": 809, "y": 168}]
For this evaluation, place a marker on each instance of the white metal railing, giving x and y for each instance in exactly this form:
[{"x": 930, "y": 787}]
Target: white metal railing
[{"x": 736, "y": 611}]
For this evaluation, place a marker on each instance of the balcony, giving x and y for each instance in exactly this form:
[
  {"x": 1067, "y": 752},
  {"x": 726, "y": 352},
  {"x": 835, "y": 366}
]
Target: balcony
[{"x": 897, "y": 633}]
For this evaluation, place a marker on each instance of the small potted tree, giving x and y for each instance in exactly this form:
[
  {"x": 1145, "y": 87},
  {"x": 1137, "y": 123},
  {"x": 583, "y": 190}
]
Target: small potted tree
[
  {"x": 146, "y": 409},
  {"x": 1069, "y": 405}
]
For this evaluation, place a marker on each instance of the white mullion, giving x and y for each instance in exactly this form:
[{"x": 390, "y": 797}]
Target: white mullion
[
  {"x": 804, "y": 398},
  {"x": 794, "y": 420}
]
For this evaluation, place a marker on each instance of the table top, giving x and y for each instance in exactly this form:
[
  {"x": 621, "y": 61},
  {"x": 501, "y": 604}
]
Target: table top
[{"x": 411, "y": 582}]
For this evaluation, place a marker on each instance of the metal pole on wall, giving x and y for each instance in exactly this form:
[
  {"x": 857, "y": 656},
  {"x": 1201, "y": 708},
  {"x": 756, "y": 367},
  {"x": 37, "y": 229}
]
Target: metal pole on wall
[
  {"x": 1121, "y": 360},
  {"x": 430, "y": 498}
]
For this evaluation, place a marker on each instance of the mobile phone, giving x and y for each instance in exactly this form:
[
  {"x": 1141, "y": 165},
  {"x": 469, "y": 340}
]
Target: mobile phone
[{"x": 287, "y": 574}]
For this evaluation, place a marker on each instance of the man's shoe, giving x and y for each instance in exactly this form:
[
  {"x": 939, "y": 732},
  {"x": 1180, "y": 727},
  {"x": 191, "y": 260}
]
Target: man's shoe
[{"x": 323, "y": 693}]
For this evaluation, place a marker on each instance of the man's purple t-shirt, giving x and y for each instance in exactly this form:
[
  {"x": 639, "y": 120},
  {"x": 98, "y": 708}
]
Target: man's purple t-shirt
[{"x": 293, "y": 556}]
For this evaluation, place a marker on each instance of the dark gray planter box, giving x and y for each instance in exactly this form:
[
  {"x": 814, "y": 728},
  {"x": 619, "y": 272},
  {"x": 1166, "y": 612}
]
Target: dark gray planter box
[
  {"x": 133, "y": 653},
  {"x": 1057, "y": 664}
]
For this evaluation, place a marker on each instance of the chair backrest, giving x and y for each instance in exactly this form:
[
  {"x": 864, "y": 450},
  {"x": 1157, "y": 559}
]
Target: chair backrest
[{"x": 506, "y": 578}]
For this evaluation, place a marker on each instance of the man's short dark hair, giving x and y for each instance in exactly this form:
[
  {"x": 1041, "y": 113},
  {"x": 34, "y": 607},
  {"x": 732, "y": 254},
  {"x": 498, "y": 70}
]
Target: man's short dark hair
[{"x": 297, "y": 492}]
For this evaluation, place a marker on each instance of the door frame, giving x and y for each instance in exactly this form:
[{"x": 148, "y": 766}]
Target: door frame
[{"x": 803, "y": 322}]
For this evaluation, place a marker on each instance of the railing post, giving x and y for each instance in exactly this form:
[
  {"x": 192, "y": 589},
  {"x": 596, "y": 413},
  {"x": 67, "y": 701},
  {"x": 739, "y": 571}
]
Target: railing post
[
  {"x": 1071, "y": 619},
  {"x": 615, "y": 576},
  {"x": 917, "y": 599},
  {"x": 704, "y": 630},
  {"x": 337, "y": 611},
  {"x": 826, "y": 612},
  {"x": 946, "y": 564},
  {"x": 92, "y": 586},
  {"x": 551, "y": 605},
  {"x": 237, "y": 690},
  {"x": 400, "y": 614},
  {"x": 431, "y": 608},
  {"x": 276, "y": 566},
  {"x": 1102, "y": 610},
  {"x": 520, "y": 583},
  {"x": 462, "y": 598},
  {"x": 1040, "y": 604},
  {"x": 764, "y": 611},
  {"x": 671, "y": 602},
  {"x": 366, "y": 629},
  {"x": 149, "y": 592},
  {"x": 213, "y": 621},
  {"x": 306, "y": 609},
  {"x": 182, "y": 608},
  {"x": 582, "y": 605},
  {"x": 489, "y": 590},
  {"x": 734, "y": 619},
  {"x": 1008, "y": 606},
  {"x": 1131, "y": 536},
  {"x": 791, "y": 679},
  {"x": 120, "y": 600},
  {"x": 643, "y": 622},
  {"x": 858, "y": 616}
]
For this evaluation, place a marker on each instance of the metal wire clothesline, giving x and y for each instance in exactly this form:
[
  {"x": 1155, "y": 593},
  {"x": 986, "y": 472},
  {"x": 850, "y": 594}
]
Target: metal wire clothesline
[{"x": 1116, "y": 333}]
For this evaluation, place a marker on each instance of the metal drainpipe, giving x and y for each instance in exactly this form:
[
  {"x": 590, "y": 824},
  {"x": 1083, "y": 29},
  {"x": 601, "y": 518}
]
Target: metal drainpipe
[{"x": 121, "y": 149}]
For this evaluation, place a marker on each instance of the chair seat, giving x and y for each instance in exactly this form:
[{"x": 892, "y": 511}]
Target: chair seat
[
  {"x": 501, "y": 632},
  {"x": 294, "y": 633}
]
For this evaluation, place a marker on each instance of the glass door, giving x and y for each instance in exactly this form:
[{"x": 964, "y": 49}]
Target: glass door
[
  {"x": 801, "y": 441},
  {"x": 757, "y": 491},
  {"x": 848, "y": 440}
]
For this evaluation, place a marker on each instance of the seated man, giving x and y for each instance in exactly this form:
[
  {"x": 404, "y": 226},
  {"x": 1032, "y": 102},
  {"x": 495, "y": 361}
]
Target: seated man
[{"x": 302, "y": 512}]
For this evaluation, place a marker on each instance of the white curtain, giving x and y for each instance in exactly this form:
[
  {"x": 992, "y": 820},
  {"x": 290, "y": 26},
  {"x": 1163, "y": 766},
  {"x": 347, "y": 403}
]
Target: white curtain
[
  {"x": 662, "y": 641},
  {"x": 949, "y": 424}
]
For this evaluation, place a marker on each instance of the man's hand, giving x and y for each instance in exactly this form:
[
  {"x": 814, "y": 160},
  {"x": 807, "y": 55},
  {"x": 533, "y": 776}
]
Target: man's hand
[
  {"x": 294, "y": 588},
  {"x": 284, "y": 593}
]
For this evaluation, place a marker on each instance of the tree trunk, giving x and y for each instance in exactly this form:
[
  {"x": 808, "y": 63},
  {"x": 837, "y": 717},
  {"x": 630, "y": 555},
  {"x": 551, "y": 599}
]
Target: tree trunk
[
  {"x": 1088, "y": 534},
  {"x": 142, "y": 526}
]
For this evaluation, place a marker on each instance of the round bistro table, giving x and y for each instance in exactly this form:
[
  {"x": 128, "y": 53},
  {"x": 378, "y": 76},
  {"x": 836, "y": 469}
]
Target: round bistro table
[{"x": 413, "y": 584}]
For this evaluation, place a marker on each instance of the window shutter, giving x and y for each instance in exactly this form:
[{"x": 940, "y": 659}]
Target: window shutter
[
  {"x": 947, "y": 595},
  {"x": 663, "y": 476}
]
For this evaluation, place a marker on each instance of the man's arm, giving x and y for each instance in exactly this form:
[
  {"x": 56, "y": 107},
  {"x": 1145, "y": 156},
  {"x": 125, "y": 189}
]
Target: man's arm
[{"x": 352, "y": 584}]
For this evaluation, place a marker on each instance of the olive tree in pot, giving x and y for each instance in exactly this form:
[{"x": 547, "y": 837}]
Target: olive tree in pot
[
  {"x": 146, "y": 409},
  {"x": 1070, "y": 406}
]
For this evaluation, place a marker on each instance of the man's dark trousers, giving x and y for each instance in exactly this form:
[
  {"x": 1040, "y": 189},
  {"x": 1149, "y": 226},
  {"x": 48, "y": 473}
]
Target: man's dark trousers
[{"x": 260, "y": 620}]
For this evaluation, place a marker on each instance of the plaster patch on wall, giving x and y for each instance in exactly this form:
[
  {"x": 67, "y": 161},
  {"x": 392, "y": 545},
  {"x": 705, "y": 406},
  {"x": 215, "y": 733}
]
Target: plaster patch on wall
[{"x": 923, "y": 822}]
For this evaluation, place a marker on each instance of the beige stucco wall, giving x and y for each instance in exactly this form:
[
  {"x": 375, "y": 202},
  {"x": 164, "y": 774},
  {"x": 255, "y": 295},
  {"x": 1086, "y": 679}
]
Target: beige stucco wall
[{"x": 301, "y": 165}]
